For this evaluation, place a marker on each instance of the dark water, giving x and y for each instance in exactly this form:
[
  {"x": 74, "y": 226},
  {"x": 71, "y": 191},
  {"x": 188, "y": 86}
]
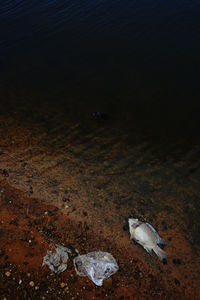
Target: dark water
[{"x": 133, "y": 59}]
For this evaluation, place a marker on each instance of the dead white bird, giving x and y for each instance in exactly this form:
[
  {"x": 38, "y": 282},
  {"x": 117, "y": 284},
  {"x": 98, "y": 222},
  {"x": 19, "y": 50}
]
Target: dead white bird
[{"x": 145, "y": 235}]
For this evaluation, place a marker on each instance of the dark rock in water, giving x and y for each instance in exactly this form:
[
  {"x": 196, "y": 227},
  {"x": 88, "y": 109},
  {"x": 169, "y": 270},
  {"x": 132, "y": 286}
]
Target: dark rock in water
[{"x": 100, "y": 116}]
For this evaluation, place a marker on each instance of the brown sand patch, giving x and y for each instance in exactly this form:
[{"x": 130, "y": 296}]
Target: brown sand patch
[{"x": 28, "y": 226}]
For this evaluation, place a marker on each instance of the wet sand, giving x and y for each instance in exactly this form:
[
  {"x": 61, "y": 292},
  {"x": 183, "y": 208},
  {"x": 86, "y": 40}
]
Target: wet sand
[{"x": 67, "y": 178}]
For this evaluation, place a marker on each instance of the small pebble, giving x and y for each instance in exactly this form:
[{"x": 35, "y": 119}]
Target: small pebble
[
  {"x": 141, "y": 275},
  {"x": 63, "y": 284},
  {"x": 177, "y": 282},
  {"x": 31, "y": 283},
  {"x": 8, "y": 274}
]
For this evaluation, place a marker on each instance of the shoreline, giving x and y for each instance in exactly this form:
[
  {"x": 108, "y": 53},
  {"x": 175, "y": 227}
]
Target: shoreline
[
  {"x": 89, "y": 180},
  {"x": 28, "y": 228}
]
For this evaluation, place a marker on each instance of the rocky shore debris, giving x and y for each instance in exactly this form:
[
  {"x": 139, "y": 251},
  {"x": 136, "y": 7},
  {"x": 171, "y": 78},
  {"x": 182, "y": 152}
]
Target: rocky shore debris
[
  {"x": 145, "y": 235},
  {"x": 56, "y": 259},
  {"x": 96, "y": 265}
]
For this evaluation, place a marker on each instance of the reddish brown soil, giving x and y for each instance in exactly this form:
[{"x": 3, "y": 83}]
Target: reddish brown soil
[{"x": 28, "y": 226}]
